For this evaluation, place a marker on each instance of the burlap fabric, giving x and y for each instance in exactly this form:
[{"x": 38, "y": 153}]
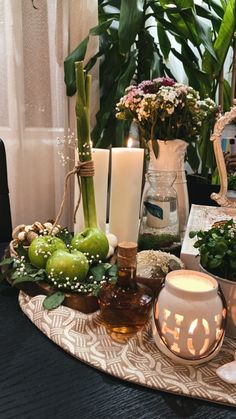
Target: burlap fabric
[{"x": 138, "y": 361}]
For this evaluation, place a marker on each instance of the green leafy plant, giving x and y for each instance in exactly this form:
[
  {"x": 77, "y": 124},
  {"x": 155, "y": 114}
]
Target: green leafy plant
[
  {"x": 232, "y": 182},
  {"x": 217, "y": 249},
  {"x": 129, "y": 53}
]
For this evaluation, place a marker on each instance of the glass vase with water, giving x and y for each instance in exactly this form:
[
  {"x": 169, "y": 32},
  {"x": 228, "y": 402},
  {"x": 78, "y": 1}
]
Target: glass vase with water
[{"x": 159, "y": 223}]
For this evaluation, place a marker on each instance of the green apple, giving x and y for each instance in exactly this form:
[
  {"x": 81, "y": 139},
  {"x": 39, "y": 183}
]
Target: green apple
[
  {"x": 42, "y": 247},
  {"x": 91, "y": 241},
  {"x": 66, "y": 270}
]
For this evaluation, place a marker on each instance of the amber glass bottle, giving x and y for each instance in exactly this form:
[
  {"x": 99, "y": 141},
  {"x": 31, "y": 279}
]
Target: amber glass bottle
[{"x": 125, "y": 306}]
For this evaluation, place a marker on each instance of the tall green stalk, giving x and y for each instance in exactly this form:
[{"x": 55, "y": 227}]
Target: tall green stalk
[{"x": 82, "y": 109}]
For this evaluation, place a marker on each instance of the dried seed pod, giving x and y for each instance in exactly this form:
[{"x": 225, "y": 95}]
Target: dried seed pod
[
  {"x": 12, "y": 246},
  {"x": 22, "y": 236},
  {"x": 17, "y": 230},
  {"x": 30, "y": 236},
  {"x": 28, "y": 228},
  {"x": 38, "y": 227},
  {"x": 54, "y": 231},
  {"x": 48, "y": 226}
]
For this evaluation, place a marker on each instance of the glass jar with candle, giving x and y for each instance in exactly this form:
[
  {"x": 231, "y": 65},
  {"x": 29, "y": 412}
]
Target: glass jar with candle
[{"x": 159, "y": 223}]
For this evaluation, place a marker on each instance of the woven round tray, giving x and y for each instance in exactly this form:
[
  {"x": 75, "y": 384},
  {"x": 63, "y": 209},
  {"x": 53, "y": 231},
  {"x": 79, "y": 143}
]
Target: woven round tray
[{"x": 138, "y": 360}]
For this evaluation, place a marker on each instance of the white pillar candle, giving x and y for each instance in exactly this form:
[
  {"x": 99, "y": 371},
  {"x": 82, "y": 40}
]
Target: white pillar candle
[
  {"x": 126, "y": 183},
  {"x": 101, "y": 163}
]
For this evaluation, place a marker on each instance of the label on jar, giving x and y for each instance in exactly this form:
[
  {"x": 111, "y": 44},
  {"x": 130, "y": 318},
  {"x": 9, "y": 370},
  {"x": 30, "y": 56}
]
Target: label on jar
[{"x": 158, "y": 216}]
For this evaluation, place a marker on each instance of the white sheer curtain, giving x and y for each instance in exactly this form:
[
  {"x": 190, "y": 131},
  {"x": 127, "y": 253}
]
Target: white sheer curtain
[{"x": 34, "y": 109}]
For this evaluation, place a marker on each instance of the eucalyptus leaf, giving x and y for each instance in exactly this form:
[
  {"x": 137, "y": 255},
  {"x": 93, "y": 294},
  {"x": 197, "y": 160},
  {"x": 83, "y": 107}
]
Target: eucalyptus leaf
[
  {"x": 24, "y": 278},
  {"x": 97, "y": 271},
  {"x": 22, "y": 251},
  {"x": 7, "y": 261},
  {"x": 112, "y": 272},
  {"x": 154, "y": 210},
  {"x": 54, "y": 300}
]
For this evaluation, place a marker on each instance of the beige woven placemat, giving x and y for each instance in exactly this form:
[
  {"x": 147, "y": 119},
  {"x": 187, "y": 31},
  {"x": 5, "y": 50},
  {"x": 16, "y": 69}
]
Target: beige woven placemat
[{"x": 138, "y": 361}]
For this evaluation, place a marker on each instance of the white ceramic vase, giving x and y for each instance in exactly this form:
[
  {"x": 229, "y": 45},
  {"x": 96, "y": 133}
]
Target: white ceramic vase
[{"x": 171, "y": 158}]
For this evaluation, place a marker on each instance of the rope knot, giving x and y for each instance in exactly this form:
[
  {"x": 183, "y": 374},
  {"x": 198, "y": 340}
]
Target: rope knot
[{"x": 82, "y": 169}]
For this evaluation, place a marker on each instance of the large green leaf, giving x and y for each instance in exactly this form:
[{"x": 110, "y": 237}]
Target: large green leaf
[
  {"x": 78, "y": 55},
  {"x": 130, "y": 24},
  {"x": 227, "y": 96},
  {"x": 204, "y": 31},
  {"x": 223, "y": 41},
  {"x": 202, "y": 11},
  {"x": 192, "y": 157},
  {"x": 126, "y": 74},
  {"x": 109, "y": 100},
  {"x": 205, "y": 148},
  {"x": 164, "y": 42},
  {"x": 180, "y": 4},
  {"x": 107, "y": 105},
  {"x": 183, "y": 27},
  {"x": 214, "y": 5},
  {"x": 198, "y": 79},
  {"x": 149, "y": 60}
]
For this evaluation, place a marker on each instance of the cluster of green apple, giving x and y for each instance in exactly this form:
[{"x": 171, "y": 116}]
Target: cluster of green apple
[{"x": 67, "y": 266}]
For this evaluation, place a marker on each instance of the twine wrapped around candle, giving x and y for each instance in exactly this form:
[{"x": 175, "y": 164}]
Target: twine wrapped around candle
[{"x": 81, "y": 169}]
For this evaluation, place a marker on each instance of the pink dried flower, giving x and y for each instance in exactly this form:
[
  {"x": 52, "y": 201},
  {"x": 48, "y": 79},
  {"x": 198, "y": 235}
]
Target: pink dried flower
[{"x": 165, "y": 109}]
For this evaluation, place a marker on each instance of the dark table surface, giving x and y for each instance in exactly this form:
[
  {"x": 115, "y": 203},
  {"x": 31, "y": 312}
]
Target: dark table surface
[{"x": 39, "y": 380}]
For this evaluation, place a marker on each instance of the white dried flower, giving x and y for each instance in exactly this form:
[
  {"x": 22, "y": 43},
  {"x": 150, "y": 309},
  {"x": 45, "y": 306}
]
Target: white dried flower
[{"x": 21, "y": 235}]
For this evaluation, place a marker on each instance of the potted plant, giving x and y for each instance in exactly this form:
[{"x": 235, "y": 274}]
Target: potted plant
[
  {"x": 217, "y": 250},
  {"x": 136, "y": 44}
]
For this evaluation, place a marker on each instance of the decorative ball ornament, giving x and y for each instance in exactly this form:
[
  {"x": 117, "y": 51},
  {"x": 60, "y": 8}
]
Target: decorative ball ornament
[{"x": 189, "y": 317}]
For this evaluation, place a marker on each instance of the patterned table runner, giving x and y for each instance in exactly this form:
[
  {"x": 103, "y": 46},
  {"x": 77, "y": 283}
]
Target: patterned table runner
[{"x": 138, "y": 361}]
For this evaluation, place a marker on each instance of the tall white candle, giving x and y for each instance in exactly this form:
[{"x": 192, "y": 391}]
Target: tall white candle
[
  {"x": 126, "y": 183},
  {"x": 101, "y": 163}
]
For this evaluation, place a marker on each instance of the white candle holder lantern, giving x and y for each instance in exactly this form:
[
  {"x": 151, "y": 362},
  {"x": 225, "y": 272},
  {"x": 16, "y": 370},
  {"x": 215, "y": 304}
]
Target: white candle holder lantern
[{"x": 189, "y": 317}]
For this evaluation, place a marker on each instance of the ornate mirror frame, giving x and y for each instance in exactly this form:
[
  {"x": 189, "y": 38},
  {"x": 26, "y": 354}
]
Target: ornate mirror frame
[{"x": 221, "y": 197}]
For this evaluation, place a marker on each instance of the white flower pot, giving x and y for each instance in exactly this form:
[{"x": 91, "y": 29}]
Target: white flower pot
[
  {"x": 229, "y": 291},
  {"x": 171, "y": 158}
]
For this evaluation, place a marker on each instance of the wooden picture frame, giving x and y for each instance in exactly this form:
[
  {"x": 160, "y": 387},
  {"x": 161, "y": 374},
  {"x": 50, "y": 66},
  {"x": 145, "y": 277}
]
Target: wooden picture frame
[{"x": 221, "y": 197}]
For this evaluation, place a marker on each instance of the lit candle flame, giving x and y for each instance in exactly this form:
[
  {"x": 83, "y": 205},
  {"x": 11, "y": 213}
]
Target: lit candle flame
[{"x": 130, "y": 142}]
